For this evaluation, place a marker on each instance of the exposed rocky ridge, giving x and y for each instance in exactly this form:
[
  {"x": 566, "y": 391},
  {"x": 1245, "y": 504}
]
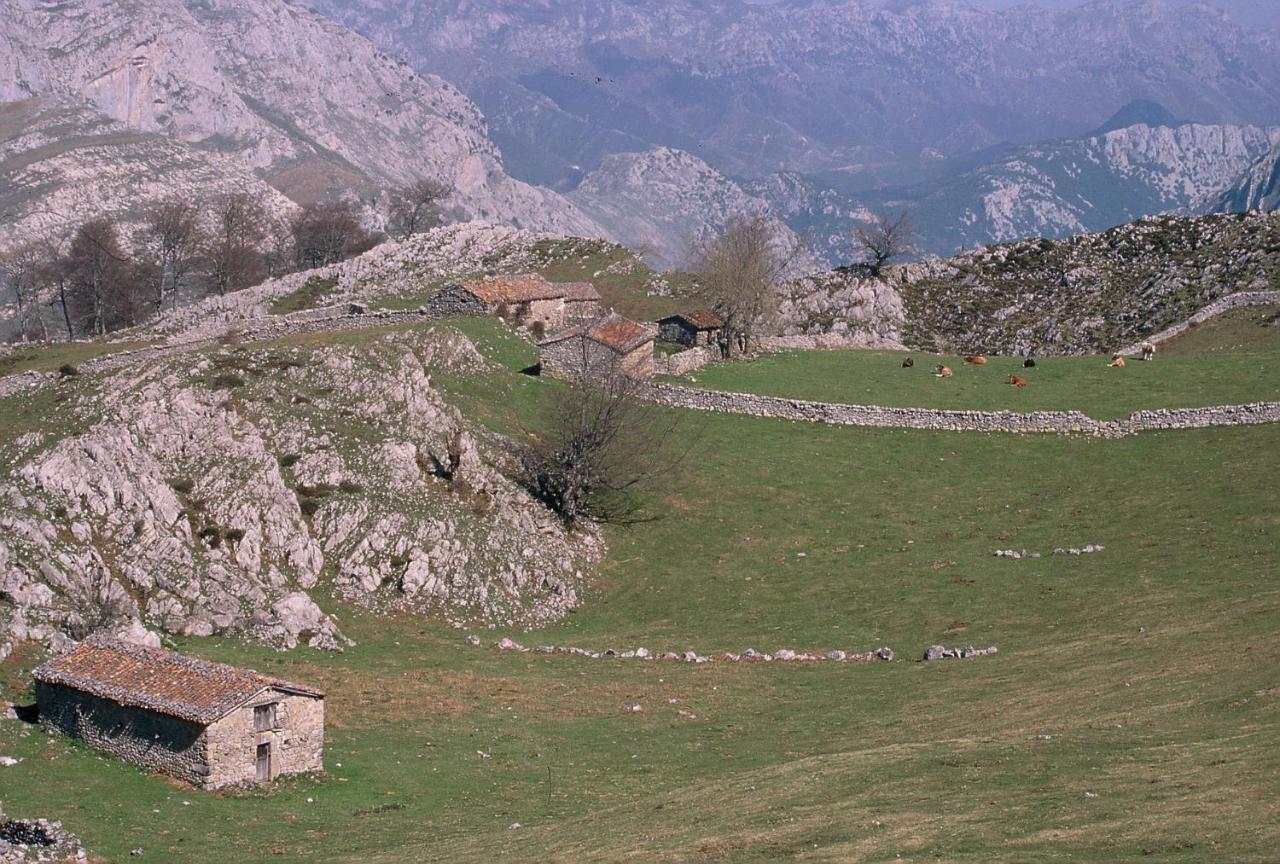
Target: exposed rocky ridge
[
  {"x": 663, "y": 201},
  {"x": 207, "y": 495},
  {"x": 1258, "y": 188},
  {"x": 311, "y": 106},
  {"x": 1087, "y": 294},
  {"x": 61, "y": 160}
]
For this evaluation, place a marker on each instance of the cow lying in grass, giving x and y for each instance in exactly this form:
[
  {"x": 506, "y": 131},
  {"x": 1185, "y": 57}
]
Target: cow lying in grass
[
  {"x": 975, "y": 360},
  {"x": 1117, "y": 362},
  {"x": 942, "y": 371},
  {"x": 1017, "y": 381}
]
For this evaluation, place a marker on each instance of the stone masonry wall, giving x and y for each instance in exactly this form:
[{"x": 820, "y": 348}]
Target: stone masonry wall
[
  {"x": 687, "y": 361},
  {"x": 1061, "y": 422},
  {"x": 297, "y": 741},
  {"x": 1240, "y": 300},
  {"x": 156, "y": 741}
]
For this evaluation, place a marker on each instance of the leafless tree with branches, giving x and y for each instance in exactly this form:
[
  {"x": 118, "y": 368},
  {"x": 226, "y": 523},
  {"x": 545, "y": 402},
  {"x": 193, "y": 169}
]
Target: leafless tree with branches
[
  {"x": 100, "y": 277},
  {"x": 416, "y": 208},
  {"x": 172, "y": 239},
  {"x": 886, "y": 237},
  {"x": 233, "y": 251},
  {"x": 24, "y": 270},
  {"x": 597, "y": 447},
  {"x": 738, "y": 273}
]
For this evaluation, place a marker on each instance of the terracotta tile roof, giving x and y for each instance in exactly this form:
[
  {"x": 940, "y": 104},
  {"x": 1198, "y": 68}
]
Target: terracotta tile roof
[
  {"x": 613, "y": 331},
  {"x": 513, "y": 289},
  {"x": 701, "y": 319},
  {"x": 159, "y": 680},
  {"x": 583, "y": 291}
]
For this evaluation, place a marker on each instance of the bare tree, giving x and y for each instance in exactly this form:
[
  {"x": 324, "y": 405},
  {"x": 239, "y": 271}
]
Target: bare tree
[
  {"x": 599, "y": 443},
  {"x": 416, "y": 208},
  {"x": 23, "y": 270},
  {"x": 327, "y": 233},
  {"x": 886, "y": 237},
  {"x": 172, "y": 241},
  {"x": 233, "y": 251},
  {"x": 101, "y": 282},
  {"x": 738, "y": 273}
]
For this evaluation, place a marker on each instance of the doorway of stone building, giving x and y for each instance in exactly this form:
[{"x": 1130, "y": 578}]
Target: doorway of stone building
[{"x": 264, "y": 762}]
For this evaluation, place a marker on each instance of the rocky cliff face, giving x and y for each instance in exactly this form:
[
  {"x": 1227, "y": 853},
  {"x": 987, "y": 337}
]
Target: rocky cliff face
[
  {"x": 310, "y": 106},
  {"x": 1257, "y": 189},
  {"x": 207, "y": 496}
]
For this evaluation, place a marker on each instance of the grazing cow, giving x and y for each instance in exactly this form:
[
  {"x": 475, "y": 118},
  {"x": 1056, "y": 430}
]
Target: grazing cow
[
  {"x": 975, "y": 360},
  {"x": 1017, "y": 381},
  {"x": 1148, "y": 350},
  {"x": 942, "y": 371},
  {"x": 1117, "y": 362},
  {"x": 908, "y": 363},
  {"x": 1029, "y": 363}
]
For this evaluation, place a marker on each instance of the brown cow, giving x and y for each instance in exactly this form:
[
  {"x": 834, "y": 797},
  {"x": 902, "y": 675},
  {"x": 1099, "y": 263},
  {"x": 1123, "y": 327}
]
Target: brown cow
[
  {"x": 1017, "y": 381},
  {"x": 942, "y": 371},
  {"x": 1117, "y": 362},
  {"x": 975, "y": 360}
]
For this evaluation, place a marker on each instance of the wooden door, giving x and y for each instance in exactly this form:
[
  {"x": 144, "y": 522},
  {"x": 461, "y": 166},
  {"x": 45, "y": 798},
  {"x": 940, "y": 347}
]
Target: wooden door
[{"x": 264, "y": 762}]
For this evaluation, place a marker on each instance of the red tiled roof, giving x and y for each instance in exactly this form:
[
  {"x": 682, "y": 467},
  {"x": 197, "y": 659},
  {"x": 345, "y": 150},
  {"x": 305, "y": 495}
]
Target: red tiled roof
[
  {"x": 159, "y": 680},
  {"x": 701, "y": 319},
  {"x": 581, "y": 291},
  {"x": 513, "y": 289},
  {"x": 612, "y": 331}
]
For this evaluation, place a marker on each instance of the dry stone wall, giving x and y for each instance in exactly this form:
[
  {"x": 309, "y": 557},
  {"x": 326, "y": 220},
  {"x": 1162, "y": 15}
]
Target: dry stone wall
[
  {"x": 1059, "y": 422},
  {"x": 1241, "y": 300},
  {"x": 687, "y": 361}
]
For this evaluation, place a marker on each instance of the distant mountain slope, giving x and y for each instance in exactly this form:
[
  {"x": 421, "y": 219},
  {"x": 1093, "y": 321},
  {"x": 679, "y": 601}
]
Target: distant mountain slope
[
  {"x": 817, "y": 85},
  {"x": 1054, "y": 190},
  {"x": 1257, "y": 189},
  {"x": 308, "y": 104}
]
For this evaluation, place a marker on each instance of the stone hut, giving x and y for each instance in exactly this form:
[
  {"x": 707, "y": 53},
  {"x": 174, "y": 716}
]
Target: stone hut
[
  {"x": 206, "y": 723},
  {"x": 691, "y": 328},
  {"x": 607, "y": 342},
  {"x": 527, "y": 300}
]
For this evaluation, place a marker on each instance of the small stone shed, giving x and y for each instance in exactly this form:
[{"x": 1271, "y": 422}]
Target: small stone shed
[
  {"x": 527, "y": 300},
  {"x": 691, "y": 328},
  {"x": 206, "y": 723},
  {"x": 610, "y": 341}
]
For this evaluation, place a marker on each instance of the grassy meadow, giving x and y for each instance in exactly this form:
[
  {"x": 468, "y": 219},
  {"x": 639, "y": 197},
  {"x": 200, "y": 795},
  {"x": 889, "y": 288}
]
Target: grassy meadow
[{"x": 1132, "y": 713}]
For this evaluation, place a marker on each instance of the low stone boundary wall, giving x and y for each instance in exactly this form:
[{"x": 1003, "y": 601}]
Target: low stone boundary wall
[
  {"x": 1059, "y": 422},
  {"x": 1240, "y": 300},
  {"x": 686, "y": 361}
]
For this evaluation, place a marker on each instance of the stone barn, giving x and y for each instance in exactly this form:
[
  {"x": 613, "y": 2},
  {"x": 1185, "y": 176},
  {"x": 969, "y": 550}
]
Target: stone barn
[
  {"x": 691, "y": 328},
  {"x": 206, "y": 723},
  {"x": 527, "y": 300},
  {"x": 607, "y": 342}
]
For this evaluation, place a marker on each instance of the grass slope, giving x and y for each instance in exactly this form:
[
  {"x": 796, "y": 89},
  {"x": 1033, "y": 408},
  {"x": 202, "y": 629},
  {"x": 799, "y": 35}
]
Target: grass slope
[
  {"x": 1162, "y": 740},
  {"x": 1233, "y": 359}
]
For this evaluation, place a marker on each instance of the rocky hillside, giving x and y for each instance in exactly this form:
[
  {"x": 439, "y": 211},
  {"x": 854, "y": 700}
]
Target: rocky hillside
[
  {"x": 307, "y": 105},
  {"x": 663, "y": 201},
  {"x": 1087, "y": 294},
  {"x": 206, "y": 495},
  {"x": 1257, "y": 189}
]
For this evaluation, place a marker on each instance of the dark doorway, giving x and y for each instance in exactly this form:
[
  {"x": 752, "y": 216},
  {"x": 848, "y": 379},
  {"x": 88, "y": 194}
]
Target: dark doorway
[{"x": 264, "y": 762}]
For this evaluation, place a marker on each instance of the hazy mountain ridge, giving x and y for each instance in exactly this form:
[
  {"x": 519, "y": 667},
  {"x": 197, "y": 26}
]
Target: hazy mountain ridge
[
  {"x": 312, "y": 107},
  {"x": 1257, "y": 189}
]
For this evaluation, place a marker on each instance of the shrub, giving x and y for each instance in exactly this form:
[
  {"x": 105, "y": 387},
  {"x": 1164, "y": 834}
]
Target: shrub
[
  {"x": 66, "y": 370},
  {"x": 182, "y": 485},
  {"x": 350, "y": 487},
  {"x": 288, "y": 460},
  {"x": 227, "y": 381},
  {"x": 308, "y": 506}
]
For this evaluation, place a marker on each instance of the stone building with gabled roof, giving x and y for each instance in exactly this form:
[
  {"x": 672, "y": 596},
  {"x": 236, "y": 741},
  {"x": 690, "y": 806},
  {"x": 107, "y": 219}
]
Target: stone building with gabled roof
[
  {"x": 700, "y": 327},
  {"x": 610, "y": 341},
  {"x": 207, "y": 723},
  {"x": 525, "y": 300}
]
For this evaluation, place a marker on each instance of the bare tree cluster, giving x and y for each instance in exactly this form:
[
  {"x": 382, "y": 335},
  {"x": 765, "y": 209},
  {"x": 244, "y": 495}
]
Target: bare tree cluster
[
  {"x": 183, "y": 250},
  {"x": 739, "y": 271},
  {"x": 886, "y": 237}
]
